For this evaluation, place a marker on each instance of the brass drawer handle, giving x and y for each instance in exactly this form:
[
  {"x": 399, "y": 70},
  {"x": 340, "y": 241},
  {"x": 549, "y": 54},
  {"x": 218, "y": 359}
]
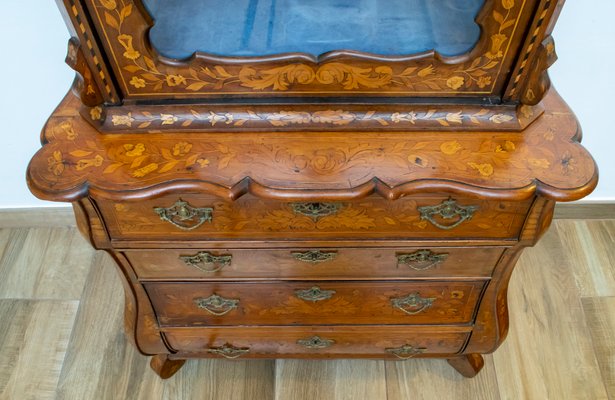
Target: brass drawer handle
[
  {"x": 316, "y": 342},
  {"x": 316, "y": 210},
  {"x": 448, "y": 209},
  {"x": 217, "y": 305},
  {"x": 206, "y": 262},
  {"x": 406, "y": 351},
  {"x": 413, "y": 303},
  {"x": 314, "y": 256},
  {"x": 421, "y": 260},
  {"x": 228, "y": 351},
  {"x": 314, "y": 294},
  {"x": 184, "y": 216}
]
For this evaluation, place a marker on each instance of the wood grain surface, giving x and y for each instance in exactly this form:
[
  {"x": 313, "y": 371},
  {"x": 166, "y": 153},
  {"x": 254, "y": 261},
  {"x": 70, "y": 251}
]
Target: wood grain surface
[
  {"x": 559, "y": 345},
  {"x": 335, "y": 263}
]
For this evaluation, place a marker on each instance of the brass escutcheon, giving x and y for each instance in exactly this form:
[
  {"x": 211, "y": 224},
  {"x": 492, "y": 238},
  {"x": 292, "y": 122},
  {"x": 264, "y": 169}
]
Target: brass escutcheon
[
  {"x": 217, "y": 305},
  {"x": 316, "y": 210},
  {"x": 406, "y": 351},
  {"x": 413, "y": 303},
  {"x": 314, "y": 294},
  {"x": 316, "y": 342},
  {"x": 229, "y": 351},
  {"x": 207, "y": 262},
  {"x": 448, "y": 209},
  {"x": 314, "y": 256},
  {"x": 421, "y": 260},
  {"x": 184, "y": 216}
]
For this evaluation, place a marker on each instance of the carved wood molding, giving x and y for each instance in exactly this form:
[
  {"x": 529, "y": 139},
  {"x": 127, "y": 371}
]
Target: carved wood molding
[
  {"x": 85, "y": 85},
  {"x": 545, "y": 159}
]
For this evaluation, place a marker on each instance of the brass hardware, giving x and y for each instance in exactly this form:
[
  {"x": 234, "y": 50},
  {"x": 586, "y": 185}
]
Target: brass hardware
[
  {"x": 207, "y": 259},
  {"x": 448, "y": 209},
  {"x": 406, "y": 351},
  {"x": 228, "y": 351},
  {"x": 421, "y": 260},
  {"x": 413, "y": 303},
  {"x": 217, "y": 305},
  {"x": 314, "y": 256},
  {"x": 184, "y": 216},
  {"x": 316, "y": 342},
  {"x": 316, "y": 210},
  {"x": 314, "y": 294}
]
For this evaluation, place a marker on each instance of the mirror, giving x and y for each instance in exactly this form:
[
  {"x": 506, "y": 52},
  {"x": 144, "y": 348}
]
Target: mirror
[{"x": 265, "y": 27}]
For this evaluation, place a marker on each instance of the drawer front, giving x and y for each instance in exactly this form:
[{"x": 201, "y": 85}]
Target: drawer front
[
  {"x": 336, "y": 341},
  {"x": 322, "y": 263},
  {"x": 305, "y": 303},
  {"x": 201, "y": 217}
]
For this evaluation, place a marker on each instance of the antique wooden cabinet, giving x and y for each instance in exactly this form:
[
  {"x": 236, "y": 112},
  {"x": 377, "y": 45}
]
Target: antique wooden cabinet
[{"x": 318, "y": 179}]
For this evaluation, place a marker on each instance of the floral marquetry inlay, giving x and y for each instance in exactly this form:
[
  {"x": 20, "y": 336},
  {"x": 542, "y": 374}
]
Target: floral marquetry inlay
[
  {"x": 144, "y": 74},
  {"x": 76, "y": 155},
  {"x": 201, "y": 117}
]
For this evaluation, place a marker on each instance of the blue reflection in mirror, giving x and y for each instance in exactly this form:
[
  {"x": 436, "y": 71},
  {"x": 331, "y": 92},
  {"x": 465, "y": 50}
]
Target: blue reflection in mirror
[{"x": 266, "y": 27}]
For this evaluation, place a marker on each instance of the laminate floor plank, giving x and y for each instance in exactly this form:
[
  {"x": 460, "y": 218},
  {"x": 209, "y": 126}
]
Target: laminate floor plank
[
  {"x": 548, "y": 353},
  {"x": 330, "y": 379},
  {"x": 100, "y": 363},
  {"x": 41, "y": 217},
  {"x": 44, "y": 263},
  {"x": 590, "y": 247},
  {"x": 215, "y": 379},
  {"x": 432, "y": 379},
  {"x": 34, "y": 338},
  {"x": 560, "y": 346},
  {"x": 4, "y": 241},
  {"x": 600, "y": 316}
]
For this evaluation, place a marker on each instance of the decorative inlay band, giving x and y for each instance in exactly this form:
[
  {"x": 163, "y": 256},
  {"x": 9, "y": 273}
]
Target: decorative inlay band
[
  {"x": 235, "y": 118},
  {"x": 88, "y": 42},
  {"x": 531, "y": 46}
]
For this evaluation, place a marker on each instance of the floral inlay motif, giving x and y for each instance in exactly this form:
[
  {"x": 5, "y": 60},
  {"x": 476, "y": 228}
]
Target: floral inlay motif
[{"x": 284, "y": 118}]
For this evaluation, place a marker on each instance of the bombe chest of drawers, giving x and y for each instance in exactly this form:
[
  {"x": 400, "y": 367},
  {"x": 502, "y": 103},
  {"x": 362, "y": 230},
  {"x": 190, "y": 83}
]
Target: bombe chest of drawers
[{"x": 265, "y": 201}]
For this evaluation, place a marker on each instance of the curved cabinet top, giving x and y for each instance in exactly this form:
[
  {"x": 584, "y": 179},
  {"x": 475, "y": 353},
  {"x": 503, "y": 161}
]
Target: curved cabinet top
[{"x": 546, "y": 159}]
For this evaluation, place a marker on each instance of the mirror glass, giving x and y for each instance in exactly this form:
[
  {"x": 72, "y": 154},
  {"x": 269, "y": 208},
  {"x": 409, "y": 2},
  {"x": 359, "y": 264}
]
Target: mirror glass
[{"x": 266, "y": 27}]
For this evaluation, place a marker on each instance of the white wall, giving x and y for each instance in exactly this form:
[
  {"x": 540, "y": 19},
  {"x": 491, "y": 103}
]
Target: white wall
[
  {"x": 34, "y": 78},
  {"x": 33, "y": 41}
]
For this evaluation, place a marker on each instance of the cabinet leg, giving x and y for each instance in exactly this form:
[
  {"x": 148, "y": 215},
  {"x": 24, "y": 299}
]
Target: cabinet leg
[
  {"x": 467, "y": 365},
  {"x": 164, "y": 367}
]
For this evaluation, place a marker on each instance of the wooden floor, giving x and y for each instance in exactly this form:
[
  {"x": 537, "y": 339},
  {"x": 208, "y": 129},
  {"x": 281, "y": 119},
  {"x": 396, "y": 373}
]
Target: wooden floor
[{"x": 61, "y": 333}]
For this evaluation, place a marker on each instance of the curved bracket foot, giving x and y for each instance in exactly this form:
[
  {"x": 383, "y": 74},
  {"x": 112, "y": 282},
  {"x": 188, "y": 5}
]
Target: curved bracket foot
[
  {"x": 164, "y": 367},
  {"x": 467, "y": 365}
]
